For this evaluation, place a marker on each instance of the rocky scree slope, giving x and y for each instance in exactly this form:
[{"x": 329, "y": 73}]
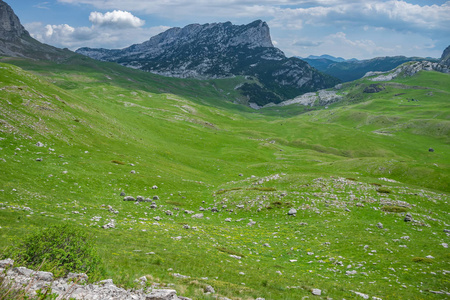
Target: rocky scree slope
[
  {"x": 221, "y": 50},
  {"x": 15, "y": 41}
]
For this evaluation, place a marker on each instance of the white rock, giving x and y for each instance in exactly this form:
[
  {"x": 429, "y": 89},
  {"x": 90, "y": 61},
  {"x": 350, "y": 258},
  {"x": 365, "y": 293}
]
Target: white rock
[{"x": 316, "y": 292}]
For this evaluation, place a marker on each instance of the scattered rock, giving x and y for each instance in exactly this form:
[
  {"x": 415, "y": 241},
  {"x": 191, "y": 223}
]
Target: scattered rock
[
  {"x": 129, "y": 198},
  {"x": 39, "y": 144},
  {"x": 162, "y": 295},
  {"x": 408, "y": 217},
  {"x": 380, "y": 225},
  {"x": 154, "y": 187},
  {"x": 39, "y": 159},
  {"x": 431, "y": 150},
  {"x": 365, "y": 296},
  {"x": 133, "y": 172},
  {"x": 316, "y": 292},
  {"x": 197, "y": 216},
  {"x": 209, "y": 289},
  {"x": 292, "y": 212},
  {"x": 155, "y": 198},
  {"x": 122, "y": 194},
  {"x": 111, "y": 224},
  {"x": 251, "y": 223}
]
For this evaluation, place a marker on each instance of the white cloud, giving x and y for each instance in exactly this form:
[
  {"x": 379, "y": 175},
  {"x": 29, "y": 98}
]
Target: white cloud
[
  {"x": 369, "y": 26},
  {"x": 395, "y": 15},
  {"x": 116, "y": 18},
  {"x": 66, "y": 36}
]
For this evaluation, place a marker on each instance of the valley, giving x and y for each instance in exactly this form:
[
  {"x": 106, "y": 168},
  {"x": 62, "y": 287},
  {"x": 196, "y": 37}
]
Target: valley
[
  {"x": 245, "y": 174},
  {"x": 77, "y": 135}
]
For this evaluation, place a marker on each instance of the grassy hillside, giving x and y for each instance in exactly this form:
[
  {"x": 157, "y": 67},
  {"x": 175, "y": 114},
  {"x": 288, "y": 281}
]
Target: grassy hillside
[{"x": 107, "y": 129}]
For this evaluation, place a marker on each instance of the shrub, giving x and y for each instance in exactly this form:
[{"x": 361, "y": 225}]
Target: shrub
[
  {"x": 118, "y": 162},
  {"x": 383, "y": 190},
  {"x": 395, "y": 209},
  {"x": 422, "y": 259},
  {"x": 60, "y": 249},
  {"x": 262, "y": 189}
]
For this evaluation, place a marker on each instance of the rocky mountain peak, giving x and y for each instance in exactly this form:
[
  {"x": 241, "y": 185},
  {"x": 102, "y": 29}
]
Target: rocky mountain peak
[
  {"x": 445, "y": 58},
  {"x": 10, "y": 26},
  {"x": 15, "y": 41},
  {"x": 221, "y": 50}
]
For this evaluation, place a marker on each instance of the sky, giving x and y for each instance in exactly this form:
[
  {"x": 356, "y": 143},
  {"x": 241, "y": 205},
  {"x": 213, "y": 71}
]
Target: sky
[{"x": 341, "y": 28}]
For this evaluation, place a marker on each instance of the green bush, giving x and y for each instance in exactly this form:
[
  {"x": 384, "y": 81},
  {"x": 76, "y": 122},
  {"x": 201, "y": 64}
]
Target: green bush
[
  {"x": 383, "y": 190},
  {"x": 60, "y": 249},
  {"x": 422, "y": 259},
  {"x": 395, "y": 209}
]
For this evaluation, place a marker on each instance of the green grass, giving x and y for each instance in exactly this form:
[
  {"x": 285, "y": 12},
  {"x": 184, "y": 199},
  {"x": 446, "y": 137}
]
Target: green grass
[{"x": 99, "y": 122}]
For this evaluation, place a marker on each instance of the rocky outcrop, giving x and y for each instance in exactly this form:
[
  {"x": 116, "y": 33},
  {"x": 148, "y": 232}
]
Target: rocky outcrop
[
  {"x": 445, "y": 58},
  {"x": 10, "y": 27},
  {"x": 15, "y": 41},
  {"x": 221, "y": 50},
  {"x": 408, "y": 69},
  {"x": 321, "y": 98},
  {"x": 74, "y": 285}
]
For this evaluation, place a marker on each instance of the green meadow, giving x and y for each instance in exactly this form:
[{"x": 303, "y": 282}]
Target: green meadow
[{"x": 346, "y": 169}]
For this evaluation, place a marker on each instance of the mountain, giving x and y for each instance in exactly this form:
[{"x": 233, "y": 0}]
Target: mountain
[
  {"x": 15, "y": 41},
  {"x": 445, "y": 58},
  {"x": 325, "y": 56},
  {"x": 221, "y": 50},
  {"x": 354, "y": 69}
]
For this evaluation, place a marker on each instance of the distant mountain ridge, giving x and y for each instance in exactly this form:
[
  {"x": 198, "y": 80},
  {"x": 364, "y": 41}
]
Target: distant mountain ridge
[
  {"x": 221, "y": 50},
  {"x": 325, "y": 56},
  {"x": 350, "y": 70}
]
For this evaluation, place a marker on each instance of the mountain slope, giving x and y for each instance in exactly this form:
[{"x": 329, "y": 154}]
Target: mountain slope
[
  {"x": 445, "y": 58},
  {"x": 351, "y": 70},
  {"x": 15, "y": 41},
  {"x": 221, "y": 50}
]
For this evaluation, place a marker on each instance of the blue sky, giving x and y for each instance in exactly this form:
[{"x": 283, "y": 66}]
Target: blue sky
[{"x": 350, "y": 29}]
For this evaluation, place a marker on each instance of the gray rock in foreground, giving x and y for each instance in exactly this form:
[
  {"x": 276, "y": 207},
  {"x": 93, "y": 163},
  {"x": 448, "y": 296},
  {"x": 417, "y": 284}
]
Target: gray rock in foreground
[{"x": 68, "y": 287}]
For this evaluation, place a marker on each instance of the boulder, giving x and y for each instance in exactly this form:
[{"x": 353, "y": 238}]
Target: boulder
[
  {"x": 6, "y": 263},
  {"x": 316, "y": 292},
  {"x": 292, "y": 212},
  {"x": 209, "y": 289},
  {"x": 163, "y": 294},
  {"x": 408, "y": 217}
]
